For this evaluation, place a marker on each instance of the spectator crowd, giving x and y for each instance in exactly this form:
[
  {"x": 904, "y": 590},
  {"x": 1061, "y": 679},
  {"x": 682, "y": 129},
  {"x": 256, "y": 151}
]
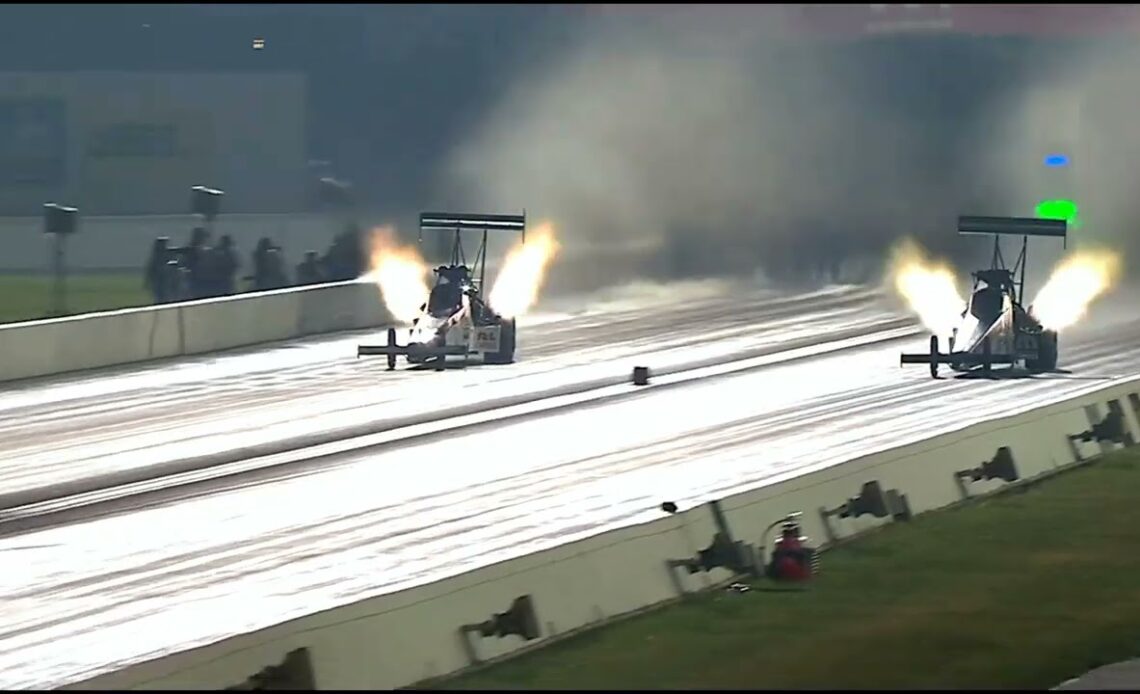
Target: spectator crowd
[{"x": 203, "y": 269}]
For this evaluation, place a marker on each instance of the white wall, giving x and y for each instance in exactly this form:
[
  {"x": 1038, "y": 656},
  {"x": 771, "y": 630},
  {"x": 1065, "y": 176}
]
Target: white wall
[{"x": 96, "y": 340}]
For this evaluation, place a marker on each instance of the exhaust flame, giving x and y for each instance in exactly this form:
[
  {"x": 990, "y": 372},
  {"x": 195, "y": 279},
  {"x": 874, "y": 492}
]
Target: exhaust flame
[
  {"x": 928, "y": 286},
  {"x": 1075, "y": 283},
  {"x": 400, "y": 272},
  {"x": 516, "y": 288}
]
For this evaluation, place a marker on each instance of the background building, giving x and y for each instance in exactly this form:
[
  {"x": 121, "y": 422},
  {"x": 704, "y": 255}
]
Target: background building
[{"x": 126, "y": 143}]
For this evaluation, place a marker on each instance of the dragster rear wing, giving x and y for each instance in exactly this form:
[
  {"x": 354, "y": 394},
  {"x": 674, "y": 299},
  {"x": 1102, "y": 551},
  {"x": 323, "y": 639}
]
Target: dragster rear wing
[
  {"x": 451, "y": 221},
  {"x": 1013, "y": 226}
]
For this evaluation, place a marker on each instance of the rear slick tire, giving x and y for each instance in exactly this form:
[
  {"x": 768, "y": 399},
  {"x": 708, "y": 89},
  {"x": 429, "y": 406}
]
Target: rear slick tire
[
  {"x": 506, "y": 353},
  {"x": 1046, "y": 354}
]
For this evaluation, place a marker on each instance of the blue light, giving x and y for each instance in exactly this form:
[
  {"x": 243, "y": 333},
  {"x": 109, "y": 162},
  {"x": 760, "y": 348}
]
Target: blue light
[{"x": 1055, "y": 160}]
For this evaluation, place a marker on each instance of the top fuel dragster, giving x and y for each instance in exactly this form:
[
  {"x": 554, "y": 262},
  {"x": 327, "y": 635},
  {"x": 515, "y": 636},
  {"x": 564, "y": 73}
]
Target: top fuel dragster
[
  {"x": 1000, "y": 329},
  {"x": 456, "y": 319}
]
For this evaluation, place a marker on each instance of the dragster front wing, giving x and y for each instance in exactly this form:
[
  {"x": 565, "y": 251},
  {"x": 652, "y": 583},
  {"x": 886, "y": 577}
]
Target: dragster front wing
[
  {"x": 983, "y": 358},
  {"x": 392, "y": 349}
]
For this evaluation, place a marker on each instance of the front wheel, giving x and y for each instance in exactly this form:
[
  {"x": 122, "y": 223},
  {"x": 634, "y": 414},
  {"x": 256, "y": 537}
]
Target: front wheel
[
  {"x": 934, "y": 356},
  {"x": 391, "y": 343}
]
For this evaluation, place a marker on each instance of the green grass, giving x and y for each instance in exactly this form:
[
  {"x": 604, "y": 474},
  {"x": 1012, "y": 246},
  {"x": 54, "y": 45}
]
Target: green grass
[
  {"x": 29, "y": 297},
  {"x": 1022, "y": 590}
]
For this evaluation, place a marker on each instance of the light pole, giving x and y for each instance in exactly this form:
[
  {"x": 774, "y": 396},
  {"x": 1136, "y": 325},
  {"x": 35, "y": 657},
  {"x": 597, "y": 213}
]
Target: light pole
[
  {"x": 207, "y": 204},
  {"x": 60, "y": 222}
]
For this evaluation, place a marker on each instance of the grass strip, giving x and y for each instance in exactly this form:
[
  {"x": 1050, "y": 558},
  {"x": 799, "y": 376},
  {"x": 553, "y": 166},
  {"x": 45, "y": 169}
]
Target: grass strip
[
  {"x": 1019, "y": 590},
  {"x": 29, "y": 297}
]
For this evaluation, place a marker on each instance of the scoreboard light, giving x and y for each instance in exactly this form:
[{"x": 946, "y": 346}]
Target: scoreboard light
[{"x": 1059, "y": 209}]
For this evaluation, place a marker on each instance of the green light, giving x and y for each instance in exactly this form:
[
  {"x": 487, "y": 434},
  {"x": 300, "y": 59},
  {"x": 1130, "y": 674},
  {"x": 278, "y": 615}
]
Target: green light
[{"x": 1059, "y": 209}]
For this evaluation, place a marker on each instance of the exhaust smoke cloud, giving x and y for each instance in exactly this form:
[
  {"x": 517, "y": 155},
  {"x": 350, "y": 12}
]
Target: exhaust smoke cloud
[
  {"x": 1081, "y": 106},
  {"x": 716, "y": 144},
  {"x": 710, "y": 144}
]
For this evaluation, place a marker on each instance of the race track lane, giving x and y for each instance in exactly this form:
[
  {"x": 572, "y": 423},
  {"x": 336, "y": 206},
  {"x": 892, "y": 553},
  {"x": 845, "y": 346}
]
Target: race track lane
[
  {"x": 51, "y": 434},
  {"x": 197, "y": 571}
]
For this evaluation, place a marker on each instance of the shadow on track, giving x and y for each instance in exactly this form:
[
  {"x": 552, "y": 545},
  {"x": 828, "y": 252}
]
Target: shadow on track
[{"x": 1019, "y": 374}]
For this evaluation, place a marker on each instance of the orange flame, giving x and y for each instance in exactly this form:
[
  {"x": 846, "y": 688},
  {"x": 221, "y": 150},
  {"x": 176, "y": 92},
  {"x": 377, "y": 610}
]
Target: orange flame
[
  {"x": 400, "y": 272},
  {"x": 928, "y": 286},
  {"x": 516, "y": 288},
  {"x": 1075, "y": 283}
]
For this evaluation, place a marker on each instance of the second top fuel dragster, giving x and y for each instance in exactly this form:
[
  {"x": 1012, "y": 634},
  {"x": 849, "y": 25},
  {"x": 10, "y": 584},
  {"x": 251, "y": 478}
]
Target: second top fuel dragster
[{"x": 998, "y": 328}]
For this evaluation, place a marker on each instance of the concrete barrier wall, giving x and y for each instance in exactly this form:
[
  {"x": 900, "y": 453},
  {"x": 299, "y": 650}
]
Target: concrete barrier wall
[
  {"x": 112, "y": 338},
  {"x": 407, "y": 637},
  {"x": 572, "y": 585},
  {"x": 925, "y": 471},
  {"x": 62, "y": 345},
  {"x": 82, "y": 342}
]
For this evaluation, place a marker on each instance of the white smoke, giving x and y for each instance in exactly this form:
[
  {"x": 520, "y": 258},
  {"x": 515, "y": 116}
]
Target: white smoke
[
  {"x": 722, "y": 143},
  {"x": 1082, "y": 105},
  {"x": 712, "y": 140}
]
